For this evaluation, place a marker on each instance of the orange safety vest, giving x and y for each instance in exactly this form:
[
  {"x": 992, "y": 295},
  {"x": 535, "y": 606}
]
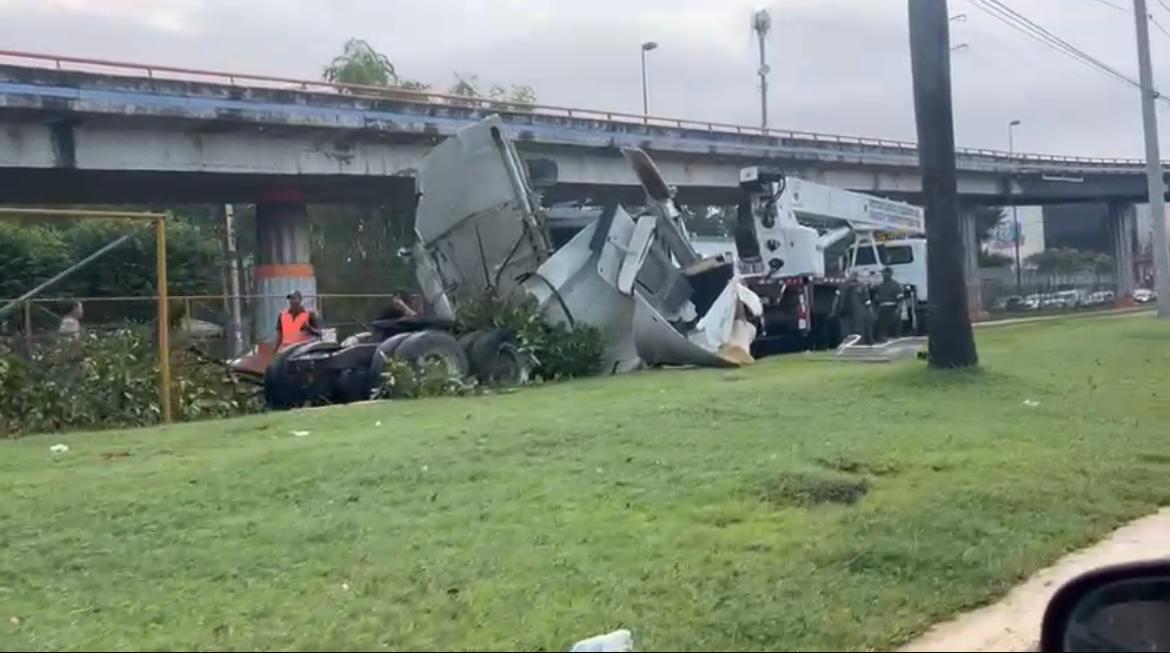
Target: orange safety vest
[{"x": 292, "y": 328}]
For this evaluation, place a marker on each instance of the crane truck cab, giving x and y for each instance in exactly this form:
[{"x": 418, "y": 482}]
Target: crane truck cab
[{"x": 788, "y": 230}]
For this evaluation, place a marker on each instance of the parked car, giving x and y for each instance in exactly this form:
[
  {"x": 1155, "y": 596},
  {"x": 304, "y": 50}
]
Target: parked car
[
  {"x": 1144, "y": 296},
  {"x": 1101, "y": 297}
]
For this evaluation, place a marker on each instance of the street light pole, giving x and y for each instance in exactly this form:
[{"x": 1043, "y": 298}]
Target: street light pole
[
  {"x": 646, "y": 47},
  {"x": 1016, "y": 233}
]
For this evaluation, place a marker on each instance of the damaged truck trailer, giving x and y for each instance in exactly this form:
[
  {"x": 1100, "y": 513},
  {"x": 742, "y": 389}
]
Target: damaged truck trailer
[{"x": 481, "y": 230}]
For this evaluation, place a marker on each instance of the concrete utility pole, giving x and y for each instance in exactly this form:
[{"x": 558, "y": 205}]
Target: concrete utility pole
[
  {"x": 761, "y": 23},
  {"x": 235, "y": 323},
  {"x": 1157, "y": 185},
  {"x": 952, "y": 342},
  {"x": 1016, "y": 233}
]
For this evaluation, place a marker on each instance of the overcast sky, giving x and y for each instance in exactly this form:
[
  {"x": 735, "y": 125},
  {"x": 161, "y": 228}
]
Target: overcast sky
[{"x": 839, "y": 66}]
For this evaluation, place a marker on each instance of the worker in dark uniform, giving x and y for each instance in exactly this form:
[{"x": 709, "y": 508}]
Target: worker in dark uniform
[
  {"x": 888, "y": 296},
  {"x": 851, "y": 307}
]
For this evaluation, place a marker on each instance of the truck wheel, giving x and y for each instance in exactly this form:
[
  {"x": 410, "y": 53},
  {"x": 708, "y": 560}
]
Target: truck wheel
[
  {"x": 282, "y": 390},
  {"x": 496, "y": 359},
  {"x": 434, "y": 346},
  {"x": 466, "y": 341},
  {"x": 384, "y": 353}
]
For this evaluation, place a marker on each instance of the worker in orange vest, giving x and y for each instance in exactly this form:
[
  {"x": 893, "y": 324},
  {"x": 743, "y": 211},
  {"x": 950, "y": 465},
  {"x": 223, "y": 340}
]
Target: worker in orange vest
[{"x": 296, "y": 324}]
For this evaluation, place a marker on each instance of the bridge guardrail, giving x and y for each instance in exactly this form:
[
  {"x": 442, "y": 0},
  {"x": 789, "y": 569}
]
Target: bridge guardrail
[{"x": 175, "y": 73}]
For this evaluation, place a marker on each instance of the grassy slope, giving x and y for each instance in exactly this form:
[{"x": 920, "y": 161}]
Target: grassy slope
[{"x": 532, "y": 519}]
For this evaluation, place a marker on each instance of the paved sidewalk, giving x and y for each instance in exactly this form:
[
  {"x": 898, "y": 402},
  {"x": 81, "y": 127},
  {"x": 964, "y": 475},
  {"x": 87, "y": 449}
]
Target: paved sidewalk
[{"x": 1013, "y": 624}]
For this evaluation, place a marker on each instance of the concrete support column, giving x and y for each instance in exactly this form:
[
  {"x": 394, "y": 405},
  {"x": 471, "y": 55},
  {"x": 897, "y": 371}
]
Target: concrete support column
[
  {"x": 282, "y": 258},
  {"x": 971, "y": 262},
  {"x": 1122, "y": 232}
]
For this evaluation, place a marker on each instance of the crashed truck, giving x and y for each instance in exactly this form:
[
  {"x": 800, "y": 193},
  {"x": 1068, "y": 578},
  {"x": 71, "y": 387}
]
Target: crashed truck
[{"x": 481, "y": 229}]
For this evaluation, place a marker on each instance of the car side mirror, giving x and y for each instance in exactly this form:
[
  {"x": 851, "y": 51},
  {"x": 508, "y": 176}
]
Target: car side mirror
[{"x": 1122, "y": 608}]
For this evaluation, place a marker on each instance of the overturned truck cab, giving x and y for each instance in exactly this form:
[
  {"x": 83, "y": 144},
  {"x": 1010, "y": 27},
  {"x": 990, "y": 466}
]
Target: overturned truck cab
[{"x": 481, "y": 229}]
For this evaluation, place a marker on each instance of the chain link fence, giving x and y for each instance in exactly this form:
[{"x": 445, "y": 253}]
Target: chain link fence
[
  {"x": 1033, "y": 291},
  {"x": 203, "y": 319}
]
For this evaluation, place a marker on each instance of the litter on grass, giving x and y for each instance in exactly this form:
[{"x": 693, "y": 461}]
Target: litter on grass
[{"x": 616, "y": 642}]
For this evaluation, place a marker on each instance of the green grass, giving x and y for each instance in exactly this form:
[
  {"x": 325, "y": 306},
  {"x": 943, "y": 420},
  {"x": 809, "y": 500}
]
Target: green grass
[{"x": 793, "y": 504}]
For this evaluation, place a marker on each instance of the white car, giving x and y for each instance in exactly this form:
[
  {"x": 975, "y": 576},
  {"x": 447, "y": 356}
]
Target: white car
[{"x": 1144, "y": 295}]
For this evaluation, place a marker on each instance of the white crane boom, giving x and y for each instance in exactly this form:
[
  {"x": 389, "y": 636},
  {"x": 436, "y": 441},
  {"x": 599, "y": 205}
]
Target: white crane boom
[{"x": 783, "y": 209}]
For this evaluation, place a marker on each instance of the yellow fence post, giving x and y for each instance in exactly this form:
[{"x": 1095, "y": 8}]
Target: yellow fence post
[{"x": 164, "y": 343}]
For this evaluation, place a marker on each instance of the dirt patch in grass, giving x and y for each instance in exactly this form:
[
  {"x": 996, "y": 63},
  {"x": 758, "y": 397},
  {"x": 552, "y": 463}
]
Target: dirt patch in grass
[
  {"x": 1155, "y": 458},
  {"x": 847, "y": 465},
  {"x": 807, "y": 489}
]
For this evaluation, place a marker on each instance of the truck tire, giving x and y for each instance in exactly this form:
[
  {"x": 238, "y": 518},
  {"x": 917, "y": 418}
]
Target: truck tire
[
  {"x": 282, "y": 390},
  {"x": 439, "y": 346},
  {"x": 378, "y": 362},
  {"x": 466, "y": 341},
  {"x": 496, "y": 359}
]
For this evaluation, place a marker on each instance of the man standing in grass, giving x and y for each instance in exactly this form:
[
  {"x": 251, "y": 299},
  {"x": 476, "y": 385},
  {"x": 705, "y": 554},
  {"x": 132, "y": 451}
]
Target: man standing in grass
[
  {"x": 888, "y": 296},
  {"x": 851, "y": 307}
]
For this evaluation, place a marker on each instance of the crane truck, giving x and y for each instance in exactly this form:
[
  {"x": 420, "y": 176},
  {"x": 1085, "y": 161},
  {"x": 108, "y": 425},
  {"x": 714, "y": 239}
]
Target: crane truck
[{"x": 798, "y": 242}]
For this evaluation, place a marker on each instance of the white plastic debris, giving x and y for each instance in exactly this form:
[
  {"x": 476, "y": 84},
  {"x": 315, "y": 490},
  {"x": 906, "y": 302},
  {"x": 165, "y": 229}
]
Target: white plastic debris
[
  {"x": 616, "y": 642},
  {"x": 426, "y": 468},
  {"x": 1031, "y": 403},
  {"x": 378, "y": 423},
  {"x": 345, "y": 586},
  {"x": 59, "y": 448},
  {"x": 299, "y": 434}
]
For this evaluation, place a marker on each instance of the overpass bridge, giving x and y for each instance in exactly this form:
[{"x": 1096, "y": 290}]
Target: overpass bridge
[{"x": 91, "y": 131}]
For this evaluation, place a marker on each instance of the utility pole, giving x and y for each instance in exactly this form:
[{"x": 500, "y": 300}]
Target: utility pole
[
  {"x": 1016, "y": 233},
  {"x": 952, "y": 342},
  {"x": 1157, "y": 185},
  {"x": 761, "y": 23},
  {"x": 235, "y": 326}
]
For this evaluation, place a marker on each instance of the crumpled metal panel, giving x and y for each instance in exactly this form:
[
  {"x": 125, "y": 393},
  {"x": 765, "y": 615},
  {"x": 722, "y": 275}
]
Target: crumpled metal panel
[{"x": 475, "y": 219}]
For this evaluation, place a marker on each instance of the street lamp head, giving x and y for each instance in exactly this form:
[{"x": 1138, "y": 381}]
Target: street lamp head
[
  {"x": 1014, "y": 123},
  {"x": 649, "y": 45}
]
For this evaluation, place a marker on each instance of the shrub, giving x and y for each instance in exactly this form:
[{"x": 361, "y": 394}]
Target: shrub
[
  {"x": 557, "y": 351},
  {"x": 108, "y": 380},
  {"x": 402, "y": 380}
]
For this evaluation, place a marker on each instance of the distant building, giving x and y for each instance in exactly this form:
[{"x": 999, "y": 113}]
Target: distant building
[{"x": 1078, "y": 226}]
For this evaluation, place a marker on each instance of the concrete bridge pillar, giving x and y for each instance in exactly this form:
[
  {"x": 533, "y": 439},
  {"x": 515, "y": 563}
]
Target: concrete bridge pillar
[
  {"x": 970, "y": 236},
  {"x": 282, "y": 258},
  {"x": 1122, "y": 231}
]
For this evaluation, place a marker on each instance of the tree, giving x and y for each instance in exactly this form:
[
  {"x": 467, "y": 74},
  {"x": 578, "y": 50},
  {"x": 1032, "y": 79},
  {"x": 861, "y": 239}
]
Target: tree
[
  {"x": 1101, "y": 265},
  {"x": 414, "y": 85},
  {"x": 465, "y": 86},
  {"x": 518, "y": 97},
  {"x": 993, "y": 260},
  {"x": 952, "y": 341},
  {"x": 360, "y": 63},
  {"x": 986, "y": 220}
]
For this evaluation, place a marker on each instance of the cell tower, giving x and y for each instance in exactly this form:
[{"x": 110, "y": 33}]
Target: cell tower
[{"x": 761, "y": 24}]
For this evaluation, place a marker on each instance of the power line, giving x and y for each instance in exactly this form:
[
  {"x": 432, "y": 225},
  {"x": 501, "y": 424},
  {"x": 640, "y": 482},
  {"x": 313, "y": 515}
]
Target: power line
[
  {"x": 1164, "y": 5},
  {"x": 1159, "y": 26},
  {"x": 1107, "y": 3},
  {"x": 1005, "y": 14},
  {"x": 1061, "y": 43}
]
